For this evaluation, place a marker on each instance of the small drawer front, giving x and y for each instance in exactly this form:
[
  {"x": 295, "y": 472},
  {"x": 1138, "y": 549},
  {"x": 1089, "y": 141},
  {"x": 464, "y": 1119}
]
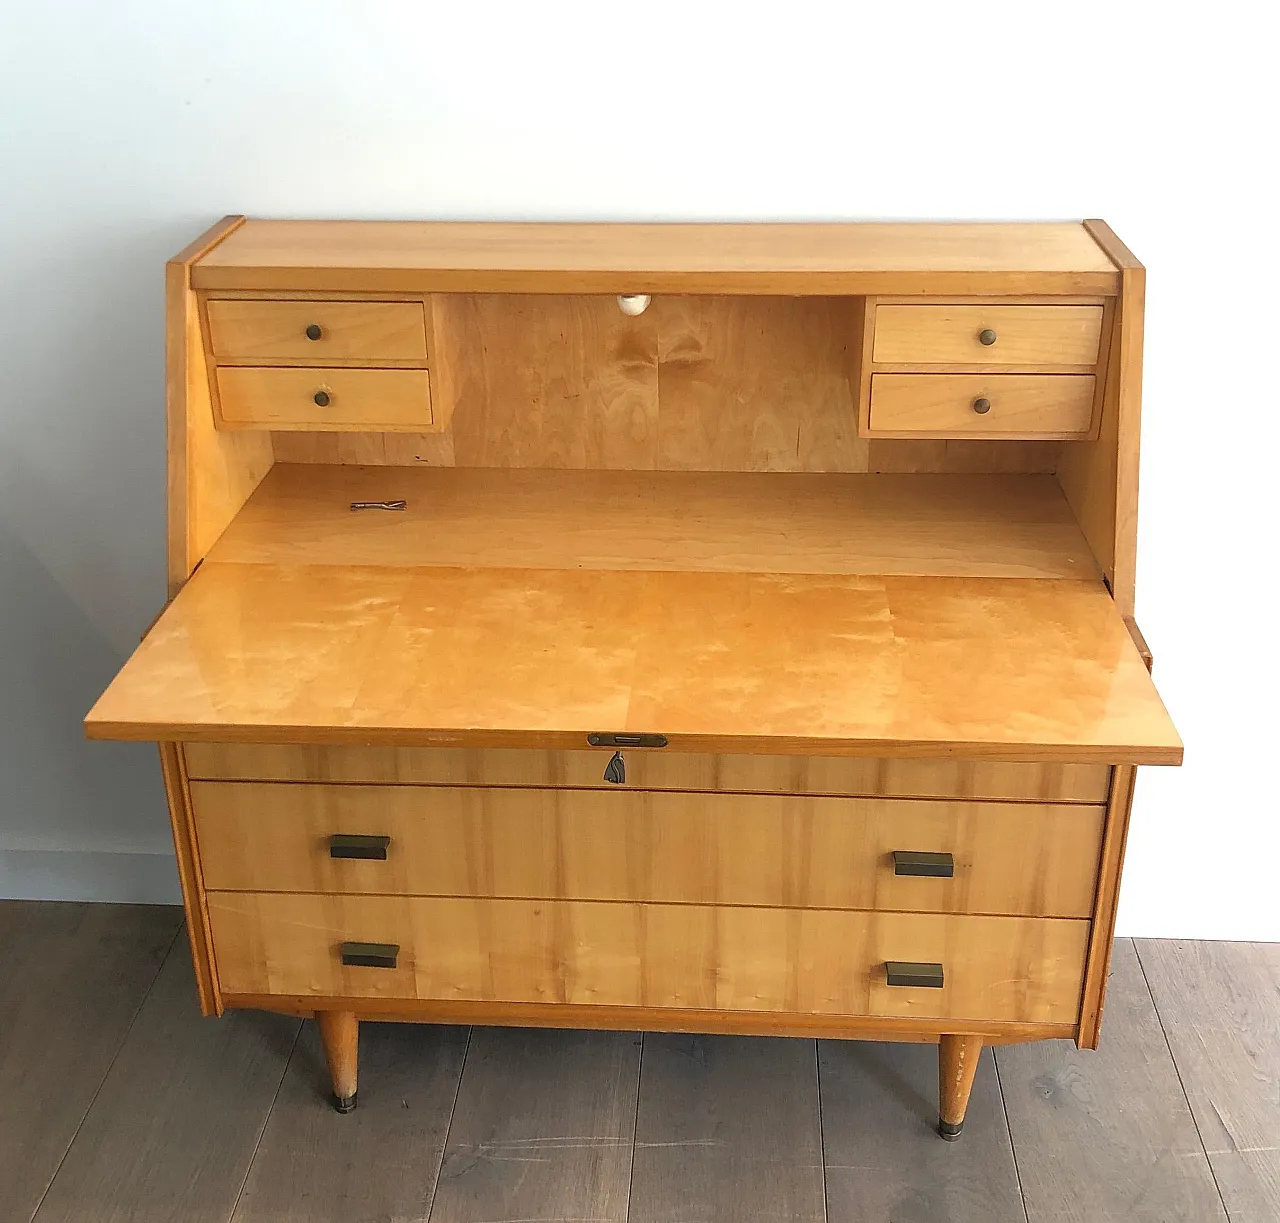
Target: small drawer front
[
  {"x": 1032, "y": 406},
  {"x": 651, "y": 770},
  {"x": 324, "y": 399},
  {"x": 750, "y": 849},
  {"x": 815, "y": 962},
  {"x": 316, "y": 331},
  {"x": 1036, "y": 337}
]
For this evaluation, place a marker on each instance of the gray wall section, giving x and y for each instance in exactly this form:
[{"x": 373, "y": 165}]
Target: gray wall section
[{"x": 81, "y": 556}]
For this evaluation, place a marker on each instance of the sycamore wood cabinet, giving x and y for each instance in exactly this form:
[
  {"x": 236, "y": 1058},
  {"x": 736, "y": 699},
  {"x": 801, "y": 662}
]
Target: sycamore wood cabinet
[{"x": 758, "y": 661}]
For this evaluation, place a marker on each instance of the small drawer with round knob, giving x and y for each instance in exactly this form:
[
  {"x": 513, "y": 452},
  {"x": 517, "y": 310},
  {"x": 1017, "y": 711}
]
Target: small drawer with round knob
[
  {"x": 994, "y": 406},
  {"x": 255, "y": 332},
  {"x": 1026, "y": 337},
  {"x": 300, "y": 397}
]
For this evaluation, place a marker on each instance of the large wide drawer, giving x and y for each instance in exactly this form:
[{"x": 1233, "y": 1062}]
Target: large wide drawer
[
  {"x": 982, "y": 405},
  {"x": 818, "y": 962},
  {"x": 971, "y": 333},
  {"x": 298, "y": 397},
  {"x": 651, "y": 770},
  {"x": 748, "y": 849},
  {"x": 316, "y": 331}
]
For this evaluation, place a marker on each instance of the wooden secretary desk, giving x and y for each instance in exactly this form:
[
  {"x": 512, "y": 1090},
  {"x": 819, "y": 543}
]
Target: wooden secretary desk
[{"x": 671, "y": 627}]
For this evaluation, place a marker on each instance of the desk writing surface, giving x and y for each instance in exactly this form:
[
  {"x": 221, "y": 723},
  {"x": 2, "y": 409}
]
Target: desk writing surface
[
  {"x": 542, "y": 257},
  {"x": 787, "y": 663}
]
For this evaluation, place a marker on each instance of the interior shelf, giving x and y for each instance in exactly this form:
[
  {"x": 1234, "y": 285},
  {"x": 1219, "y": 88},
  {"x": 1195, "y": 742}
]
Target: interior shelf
[{"x": 1012, "y": 526}]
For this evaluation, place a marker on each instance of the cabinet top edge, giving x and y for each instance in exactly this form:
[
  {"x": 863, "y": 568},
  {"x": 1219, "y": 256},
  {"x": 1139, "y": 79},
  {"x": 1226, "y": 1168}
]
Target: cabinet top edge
[{"x": 837, "y": 258}]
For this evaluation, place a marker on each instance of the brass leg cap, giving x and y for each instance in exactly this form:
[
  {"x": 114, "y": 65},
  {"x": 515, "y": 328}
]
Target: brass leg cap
[
  {"x": 345, "y": 1104},
  {"x": 948, "y": 1131}
]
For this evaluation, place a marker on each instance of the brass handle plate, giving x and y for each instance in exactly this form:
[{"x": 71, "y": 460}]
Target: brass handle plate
[
  {"x": 924, "y": 863},
  {"x": 603, "y": 739},
  {"x": 370, "y": 955},
  {"x": 913, "y": 975},
  {"x": 356, "y": 845}
]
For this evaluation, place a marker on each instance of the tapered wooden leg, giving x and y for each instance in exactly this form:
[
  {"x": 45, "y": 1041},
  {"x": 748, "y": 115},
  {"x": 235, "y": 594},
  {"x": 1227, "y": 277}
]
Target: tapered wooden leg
[
  {"x": 340, "y": 1035},
  {"x": 957, "y": 1063}
]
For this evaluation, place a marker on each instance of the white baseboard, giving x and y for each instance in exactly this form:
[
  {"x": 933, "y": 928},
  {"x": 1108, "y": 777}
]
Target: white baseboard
[{"x": 40, "y": 874}]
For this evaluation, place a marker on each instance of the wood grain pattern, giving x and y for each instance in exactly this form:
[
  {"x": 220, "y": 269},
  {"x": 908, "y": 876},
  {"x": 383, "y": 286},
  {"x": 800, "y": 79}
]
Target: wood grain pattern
[
  {"x": 379, "y": 1162},
  {"x": 1026, "y": 336},
  {"x": 848, "y": 776},
  {"x": 882, "y": 1154},
  {"x": 173, "y": 1130},
  {"x": 543, "y": 1128},
  {"x": 1021, "y": 405},
  {"x": 1107, "y": 1135},
  {"x": 72, "y": 978},
  {"x": 796, "y": 961},
  {"x": 1100, "y": 478},
  {"x": 266, "y": 397},
  {"x": 210, "y": 472},
  {"x": 260, "y": 332},
  {"x": 1115, "y": 836},
  {"x": 749, "y": 849},
  {"x": 740, "y": 663},
  {"x": 191, "y": 877},
  {"x": 727, "y": 1128},
  {"x": 598, "y": 1017},
  {"x": 1217, "y": 1004},
  {"x": 706, "y": 522},
  {"x": 820, "y": 259}
]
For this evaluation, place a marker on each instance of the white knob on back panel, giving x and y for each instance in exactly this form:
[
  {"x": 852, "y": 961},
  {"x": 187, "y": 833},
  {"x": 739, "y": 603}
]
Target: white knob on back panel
[{"x": 633, "y": 303}]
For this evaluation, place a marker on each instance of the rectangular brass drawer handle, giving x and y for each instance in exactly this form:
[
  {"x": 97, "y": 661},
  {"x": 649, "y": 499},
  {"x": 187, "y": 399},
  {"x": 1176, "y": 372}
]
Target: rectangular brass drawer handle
[
  {"x": 354, "y": 845},
  {"x": 370, "y": 955},
  {"x": 921, "y": 862},
  {"x": 917, "y": 976}
]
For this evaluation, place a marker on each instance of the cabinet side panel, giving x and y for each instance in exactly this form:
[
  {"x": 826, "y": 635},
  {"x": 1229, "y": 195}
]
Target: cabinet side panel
[
  {"x": 1102, "y": 935},
  {"x": 1100, "y": 479},
  {"x": 191, "y": 876},
  {"x": 210, "y": 473}
]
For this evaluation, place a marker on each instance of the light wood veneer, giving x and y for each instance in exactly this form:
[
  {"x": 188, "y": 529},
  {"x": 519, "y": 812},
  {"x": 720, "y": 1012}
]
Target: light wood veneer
[
  {"x": 743, "y": 849},
  {"x": 652, "y": 769},
  {"x": 752, "y": 520},
  {"x": 698, "y": 956}
]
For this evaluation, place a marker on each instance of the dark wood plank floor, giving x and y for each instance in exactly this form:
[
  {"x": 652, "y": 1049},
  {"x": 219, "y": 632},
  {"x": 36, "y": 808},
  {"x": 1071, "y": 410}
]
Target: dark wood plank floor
[{"x": 119, "y": 1103}]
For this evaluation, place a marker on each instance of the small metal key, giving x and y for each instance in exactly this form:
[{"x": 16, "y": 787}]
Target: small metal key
[{"x": 379, "y": 505}]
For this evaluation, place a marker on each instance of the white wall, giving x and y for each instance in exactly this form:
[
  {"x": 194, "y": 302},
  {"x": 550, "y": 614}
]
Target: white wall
[{"x": 127, "y": 128}]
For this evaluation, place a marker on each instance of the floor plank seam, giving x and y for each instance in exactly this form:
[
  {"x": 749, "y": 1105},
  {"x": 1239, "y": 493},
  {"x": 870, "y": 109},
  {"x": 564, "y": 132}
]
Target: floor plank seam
[
  {"x": 822, "y": 1130},
  {"x": 1008, "y": 1128},
  {"x": 448, "y": 1129},
  {"x": 1177, "y": 1070},
  {"x": 106, "y": 1074},
  {"x": 266, "y": 1120},
  {"x": 635, "y": 1129}
]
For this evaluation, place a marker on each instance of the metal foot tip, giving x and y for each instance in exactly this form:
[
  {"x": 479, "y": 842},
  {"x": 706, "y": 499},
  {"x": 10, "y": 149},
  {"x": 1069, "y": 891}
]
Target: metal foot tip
[
  {"x": 345, "y": 1104},
  {"x": 949, "y": 1131}
]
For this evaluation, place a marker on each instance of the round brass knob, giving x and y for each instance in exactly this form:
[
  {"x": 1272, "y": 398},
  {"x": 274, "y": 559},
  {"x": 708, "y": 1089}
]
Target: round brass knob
[
  {"x": 322, "y": 399},
  {"x": 982, "y": 406},
  {"x": 315, "y": 331},
  {"x": 987, "y": 337}
]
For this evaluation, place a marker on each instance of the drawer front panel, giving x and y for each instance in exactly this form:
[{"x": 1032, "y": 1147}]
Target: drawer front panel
[
  {"x": 1039, "y": 337},
  {"x": 652, "y": 770},
  {"x": 1017, "y": 405},
  {"x": 1014, "y": 858},
  {"x": 689, "y": 956},
  {"x": 250, "y": 331},
  {"x": 286, "y": 398}
]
